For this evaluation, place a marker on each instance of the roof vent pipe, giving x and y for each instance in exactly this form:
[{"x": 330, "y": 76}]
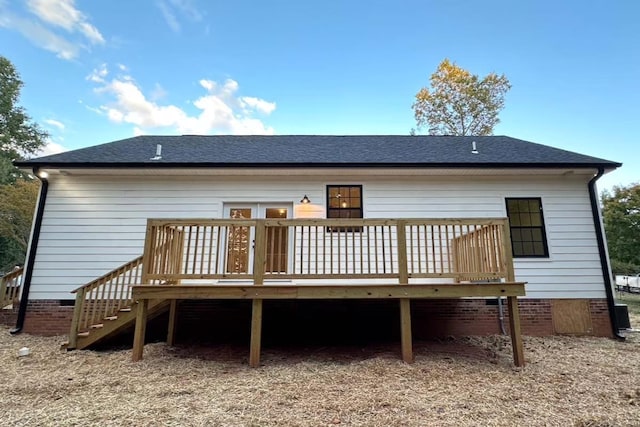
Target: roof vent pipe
[
  {"x": 474, "y": 149},
  {"x": 158, "y": 155}
]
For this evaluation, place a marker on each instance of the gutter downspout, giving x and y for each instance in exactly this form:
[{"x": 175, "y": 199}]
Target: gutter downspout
[
  {"x": 604, "y": 262},
  {"x": 33, "y": 246}
]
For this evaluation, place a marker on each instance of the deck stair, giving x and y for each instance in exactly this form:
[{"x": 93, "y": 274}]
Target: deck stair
[{"x": 104, "y": 306}]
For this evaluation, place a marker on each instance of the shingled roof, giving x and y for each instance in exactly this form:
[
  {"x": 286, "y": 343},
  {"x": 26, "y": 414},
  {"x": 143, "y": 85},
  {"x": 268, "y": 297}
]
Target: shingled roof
[{"x": 320, "y": 150}]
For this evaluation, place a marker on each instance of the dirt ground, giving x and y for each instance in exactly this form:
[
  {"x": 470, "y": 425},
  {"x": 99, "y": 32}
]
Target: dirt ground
[{"x": 471, "y": 381}]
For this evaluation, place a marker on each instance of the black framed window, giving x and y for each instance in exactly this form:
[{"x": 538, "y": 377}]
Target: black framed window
[
  {"x": 344, "y": 201},
  {"x": 526, "y": 222}
]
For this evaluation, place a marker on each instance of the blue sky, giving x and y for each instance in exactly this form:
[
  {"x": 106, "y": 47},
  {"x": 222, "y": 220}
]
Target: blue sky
[{"x": 97, "y": 71}]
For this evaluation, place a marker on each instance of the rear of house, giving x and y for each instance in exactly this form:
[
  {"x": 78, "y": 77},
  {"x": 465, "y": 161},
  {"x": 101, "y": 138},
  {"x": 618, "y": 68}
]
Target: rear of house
[{"x": 96, "y": 203}]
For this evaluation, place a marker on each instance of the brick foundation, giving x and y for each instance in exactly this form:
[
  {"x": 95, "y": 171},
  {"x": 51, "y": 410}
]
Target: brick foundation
[
  {"x": 331, "y": 320},
  {"x": 44, "y": 317}
]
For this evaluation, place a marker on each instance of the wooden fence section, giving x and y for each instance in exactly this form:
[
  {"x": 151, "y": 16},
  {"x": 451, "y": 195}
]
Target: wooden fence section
[
  {"x": 454, "y": 249},
  {"x": 10, "y": 286}
]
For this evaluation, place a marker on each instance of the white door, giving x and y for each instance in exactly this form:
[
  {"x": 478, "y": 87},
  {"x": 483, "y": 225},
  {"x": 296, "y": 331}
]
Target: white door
[{"x": 240, "y": 239}]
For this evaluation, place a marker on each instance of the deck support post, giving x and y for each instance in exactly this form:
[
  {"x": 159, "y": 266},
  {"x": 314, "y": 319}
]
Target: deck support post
[
  {"x": 405, "y": 330},
  {"x": 75, "y": 321},
  {"x": 141, "y": 326},
  {"x": 256, "y": 333},
  {"x": 514, "y": 327},
  {"x": 405, "y": 303},
  {"x": 171, "y": 327}
]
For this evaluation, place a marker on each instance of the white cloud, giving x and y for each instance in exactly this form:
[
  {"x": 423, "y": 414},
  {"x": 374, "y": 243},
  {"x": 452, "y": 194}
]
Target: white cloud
[
  {"x": 43, "y": 30},
  {"x": 55, "y": 123},
  {"x": 219, "y": 111},
  {"x": 169, "y": 17},
  {"x": 64, "y": 14},
  {"x": 39, "y": 35},
  {"x": 51, "y": 148},
  {"x": 259, "y": 104},
  {"x": 98, "y": 74},
  {"x": 173, "y": 10}
]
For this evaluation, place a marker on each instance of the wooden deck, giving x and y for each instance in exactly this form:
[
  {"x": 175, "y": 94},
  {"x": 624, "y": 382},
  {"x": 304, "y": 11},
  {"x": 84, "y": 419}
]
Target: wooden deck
[
  {"x": 326, "y": 259},
  {"x": 401, "y": 259}
]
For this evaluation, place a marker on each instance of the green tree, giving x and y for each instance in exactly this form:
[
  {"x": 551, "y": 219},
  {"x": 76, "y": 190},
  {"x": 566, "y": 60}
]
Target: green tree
[
  {"x": 19, "y": 135},
  {"x": 621, "y": 216},
  {"x": 460, "y": 103},
  {"x": 17, "y": 203}
]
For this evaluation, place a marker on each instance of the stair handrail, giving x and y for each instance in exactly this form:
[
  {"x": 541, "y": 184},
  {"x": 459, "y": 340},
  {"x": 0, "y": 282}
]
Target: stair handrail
[
  {"x": 104, "y": 297},
  {"x": 10, "y": 285}
]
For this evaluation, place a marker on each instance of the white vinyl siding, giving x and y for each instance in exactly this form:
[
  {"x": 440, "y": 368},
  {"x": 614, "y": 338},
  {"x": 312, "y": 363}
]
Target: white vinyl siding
[{"x": 94, "y": 224}]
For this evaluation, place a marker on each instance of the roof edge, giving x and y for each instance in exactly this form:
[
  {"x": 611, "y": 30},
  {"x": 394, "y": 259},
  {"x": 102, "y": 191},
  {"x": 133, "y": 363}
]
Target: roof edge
[{"x": 171, "y": 165}]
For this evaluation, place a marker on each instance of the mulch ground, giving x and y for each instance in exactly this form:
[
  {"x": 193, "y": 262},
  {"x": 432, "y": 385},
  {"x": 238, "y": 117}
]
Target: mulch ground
[{"x": 568, "y": 381}]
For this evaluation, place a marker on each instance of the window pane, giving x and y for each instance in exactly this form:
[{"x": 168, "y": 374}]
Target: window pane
[
  {"x": 525, "y": 219},
  {"x": 527, "y": 248},
  {"x": 333, "y": 192},
  {"x": 536, "y": 219},
  {"x": 515, "y": 235},
  {"x": 523, "y": 205},
  {"x": 512, "y": 206},
  {"x": 538, "y": 248},
  {"x": 534, "y": 205},
  {"x": 536, "y": 234},
  {"x": 526, "y": 235},
  {"x": 517, "y": 249}
]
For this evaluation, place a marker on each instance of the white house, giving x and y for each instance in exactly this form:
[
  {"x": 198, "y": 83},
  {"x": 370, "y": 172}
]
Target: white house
[{"x": 95, "y": 203}]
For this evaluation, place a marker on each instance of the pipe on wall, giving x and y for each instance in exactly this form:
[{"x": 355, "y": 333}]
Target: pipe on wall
[
  {"x": 31, "y": 256},
  {"x": 604, "y": 261}
]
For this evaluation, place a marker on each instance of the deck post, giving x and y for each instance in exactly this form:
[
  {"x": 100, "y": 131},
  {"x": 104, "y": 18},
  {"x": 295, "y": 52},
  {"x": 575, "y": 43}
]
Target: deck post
[
  {"x": 405, "y": 330},
  {"x": 147, "y": 255},
  {"x": 141, "y": 326},
  {"x": 171, "y": 327},
  {"x": 256, "y": 333},
  {"x": 75, "y": 321},
  {"x": 259, "y": 260},
  {"x": 405, "y": 303},
  {"x": 514, "y": 326}
]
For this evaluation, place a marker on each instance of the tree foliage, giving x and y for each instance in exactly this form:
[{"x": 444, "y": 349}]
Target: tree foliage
[
  {"x": 460, "y": 103},
  {"x": 621, "y": 215},
  {"x": 19, "y": 135},
  {"x": 17, "y": 203}
]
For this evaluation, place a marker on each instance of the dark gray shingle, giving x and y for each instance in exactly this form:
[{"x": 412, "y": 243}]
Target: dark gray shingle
[{"x": 319, "y": 150}]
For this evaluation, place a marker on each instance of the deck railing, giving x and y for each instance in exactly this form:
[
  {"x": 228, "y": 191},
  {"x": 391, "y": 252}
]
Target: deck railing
[
  {"x": 258, "y": 249},
  {"x": 10, "y": 285}
]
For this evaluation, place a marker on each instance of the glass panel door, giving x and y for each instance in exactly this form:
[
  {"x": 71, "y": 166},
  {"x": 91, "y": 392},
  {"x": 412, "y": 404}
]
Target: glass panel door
[{"x": 238, "y": 241}]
